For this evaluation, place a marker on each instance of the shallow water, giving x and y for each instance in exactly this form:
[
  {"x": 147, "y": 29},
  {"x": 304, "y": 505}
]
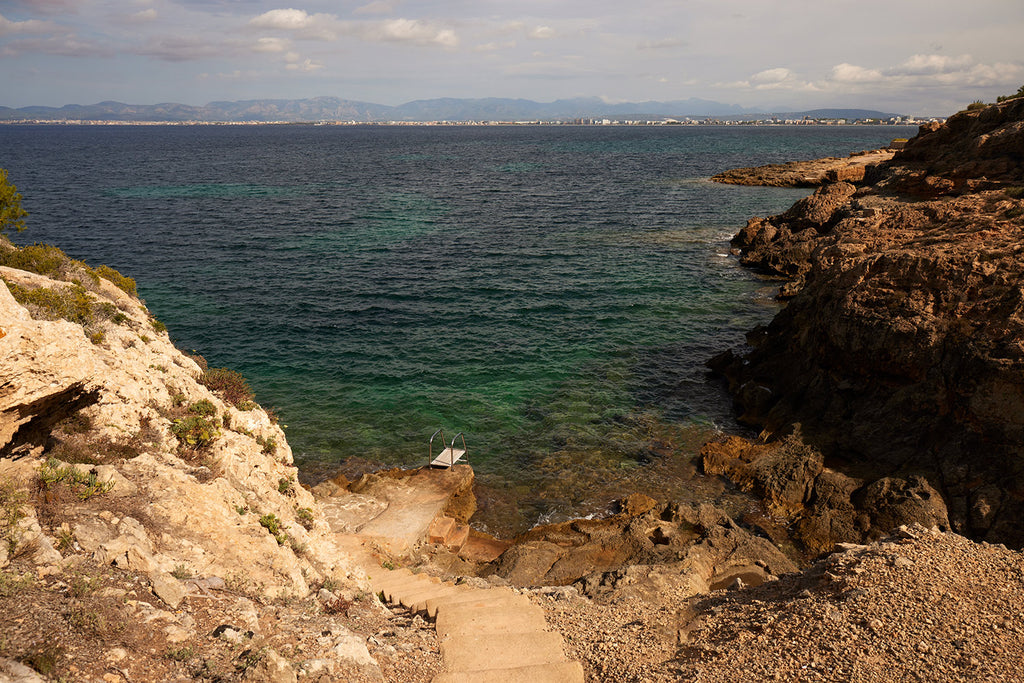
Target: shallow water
[{"x": 552, "y": 292}]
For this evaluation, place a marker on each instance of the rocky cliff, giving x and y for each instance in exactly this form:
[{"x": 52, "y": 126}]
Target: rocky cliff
[{"x": 901, "y": 350}]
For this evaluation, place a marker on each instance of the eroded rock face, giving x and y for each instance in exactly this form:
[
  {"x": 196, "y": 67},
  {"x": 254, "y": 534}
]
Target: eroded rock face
[
  {"x": 103, "y": 408},
  {"x": 903, "y": 345},
  {"x": 645, "y": 532},
  {"x": 819, "y": 505}
]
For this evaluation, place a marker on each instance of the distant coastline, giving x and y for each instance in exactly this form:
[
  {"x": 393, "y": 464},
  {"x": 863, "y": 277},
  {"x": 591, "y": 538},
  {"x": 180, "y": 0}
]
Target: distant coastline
[
  {"x": 585, "y": 122},
  {"x": 447, "y": 111}
]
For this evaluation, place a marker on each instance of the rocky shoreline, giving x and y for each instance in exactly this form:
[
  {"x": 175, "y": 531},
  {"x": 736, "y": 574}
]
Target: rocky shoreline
[
  {"x": 154, "y": 527},
  {"x": 900, "y": 352}
]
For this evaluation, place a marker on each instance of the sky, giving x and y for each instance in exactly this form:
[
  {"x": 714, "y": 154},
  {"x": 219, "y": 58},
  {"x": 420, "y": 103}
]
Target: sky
[{"x": 920, "y": 57}]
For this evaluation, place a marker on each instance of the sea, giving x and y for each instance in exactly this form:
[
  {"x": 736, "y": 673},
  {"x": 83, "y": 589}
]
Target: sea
[{"x": 549, "y": 293}]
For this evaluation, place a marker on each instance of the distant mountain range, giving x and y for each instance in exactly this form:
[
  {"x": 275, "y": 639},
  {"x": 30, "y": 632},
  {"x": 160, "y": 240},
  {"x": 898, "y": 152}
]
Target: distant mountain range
[{"x": 443, "y": 109}]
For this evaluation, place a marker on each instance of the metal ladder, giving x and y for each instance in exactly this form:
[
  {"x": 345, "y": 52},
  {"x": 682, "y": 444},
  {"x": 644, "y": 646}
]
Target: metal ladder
[{"x": 449, "y": 455}]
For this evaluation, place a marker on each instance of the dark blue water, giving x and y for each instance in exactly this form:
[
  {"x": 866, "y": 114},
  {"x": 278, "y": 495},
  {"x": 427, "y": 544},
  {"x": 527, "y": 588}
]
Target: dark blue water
[{"x": 553, "y": 292}]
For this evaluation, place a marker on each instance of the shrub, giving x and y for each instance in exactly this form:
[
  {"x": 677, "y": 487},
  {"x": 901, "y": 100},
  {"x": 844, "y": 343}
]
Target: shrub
[
  {"x": 975, "y": 105},
  {"x": 203, "y": 407},
  {"x": 12, "y": 499},
  {"x": 194, "y": 432},
  {"x": 84, "y": 485},
  {"x": 68, "y": 303},
  {"x": 305, "y": 517},
  {"x": 11, "y": 213},
  {"x": 122, "y": 282},
  {"x": 285, "y": 484},
  {"x": 229, "y": 385},
  {"x": 271, "y": 523}
]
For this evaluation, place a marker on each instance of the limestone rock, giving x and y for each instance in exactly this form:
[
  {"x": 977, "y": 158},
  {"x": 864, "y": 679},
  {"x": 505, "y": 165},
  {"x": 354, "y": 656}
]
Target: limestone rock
[{"x": 168, "y": 589}]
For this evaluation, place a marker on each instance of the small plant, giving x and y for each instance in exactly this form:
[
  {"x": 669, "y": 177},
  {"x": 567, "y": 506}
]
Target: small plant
[
  {"x": 194, "y": 432},
  {"x": 84, "y": 485},
  {"x": 203, "y": 407},
  {"x": 145, "y": 339},
  {"x": 388, "y": 564},
  {"x": 1014, "y": 192},
  {"x": 298, "y": 547},
  {"x": 65, "y": 539},
  {"x": 44, "y": 660},
  {"x": 269, "y": 445},
  {"x": 975, "y": 105},
  {"x": 285, "y": 485},
  {"x": 305, "y": 517},
  {"x": 181, "y": 572},
  {"x": 12, "y": 584},
  {"x": 97, "y": 338},
  {"x": 242, "y": 509},
  {"x": 12, "y": 500},
  {"x": 271, "y": 523},
  {"x": 182, "y": 654}
]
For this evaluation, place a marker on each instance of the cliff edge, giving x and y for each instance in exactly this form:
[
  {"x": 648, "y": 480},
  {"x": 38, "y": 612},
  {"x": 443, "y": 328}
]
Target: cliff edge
[{"x": 901, "y": 349}]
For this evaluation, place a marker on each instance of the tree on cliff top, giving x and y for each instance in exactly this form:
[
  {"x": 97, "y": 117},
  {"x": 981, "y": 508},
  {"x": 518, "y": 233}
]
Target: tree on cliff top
[{"x": 11, "y": 213}]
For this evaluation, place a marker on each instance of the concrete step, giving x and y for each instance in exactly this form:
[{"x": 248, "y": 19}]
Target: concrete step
[
  {"x": 469, "y": 621},
  {"x": 486, "y": 599},
  {"x": 394, "y": 593},
  {"x": 457, "y": 538},
  {"x": 440, "y": 529},
  {"x": 417, "y": 601},
  {"x": 555, "y": 672},
  {"x": 501, "y": 651}
]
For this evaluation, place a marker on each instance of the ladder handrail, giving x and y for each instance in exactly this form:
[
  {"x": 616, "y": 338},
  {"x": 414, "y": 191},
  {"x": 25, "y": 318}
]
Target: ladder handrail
[
  {"x": 452, "y": 447},
  {"x": 430, "y": 446}
]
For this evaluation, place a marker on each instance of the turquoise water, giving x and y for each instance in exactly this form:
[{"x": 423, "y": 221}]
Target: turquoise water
[{"x": 553, "y": 293}]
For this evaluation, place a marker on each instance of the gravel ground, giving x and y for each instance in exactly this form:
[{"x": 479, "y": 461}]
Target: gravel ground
[{"x": 917, "y": 606}]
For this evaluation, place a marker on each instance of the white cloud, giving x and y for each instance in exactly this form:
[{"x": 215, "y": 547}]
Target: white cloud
[
  {"x": 29, "y": 27},
  {"x": 283, "y": 19},
  {"x": 271, "y": 45},
  {"x": 926, "y": 65},
  {"x": 851, "y": 73},
  {"x": 768, "y": 76},
  {"x": 542, "y": 33},
  {"x": 409, "y": 31}
]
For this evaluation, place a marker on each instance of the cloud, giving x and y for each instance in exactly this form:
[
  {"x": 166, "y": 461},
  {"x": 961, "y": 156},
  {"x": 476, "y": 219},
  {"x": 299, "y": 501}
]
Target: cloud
[
  {"x": 376, "y": 7},
  {"x": 542, "y": 33},
  {"x": 143, "y": 17},
  {"x": 770, "y": 76},
  {"x": 64, "y": 46},
  {"x": 409, "y": 31},
  {"x": 851, "y": 73},
  {"x": 21, "y": 28},
  {"x": 271, "y": 45},
  {"x": 283, "y": 19},
  {"x": 307, "y": 66},
  {"x": 180, "y": 49}
]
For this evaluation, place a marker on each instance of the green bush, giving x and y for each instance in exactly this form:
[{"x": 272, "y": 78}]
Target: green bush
[
  {"x": 975, "y": 105},
  {"x": 123, "y": 282},
  {"x": 194, "y": 432},
  {"x": 203, "y": 407},
  {"x": 69, "y": 303},
  {"x": 11, "y": 213},
  {"x": 271, "y": 523}
]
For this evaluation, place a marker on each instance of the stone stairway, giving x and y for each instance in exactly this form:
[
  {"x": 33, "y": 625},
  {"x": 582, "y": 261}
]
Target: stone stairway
[{"x": 485, "y": 634}]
